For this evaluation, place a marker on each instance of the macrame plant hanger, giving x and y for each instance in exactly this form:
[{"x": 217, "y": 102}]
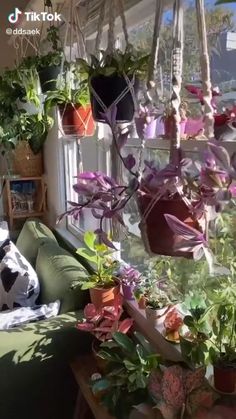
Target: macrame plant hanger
[
  {"x": 177, "y": 67},
  {"x": 113, "y": 6},
  {"x": 74, "y": 30}
]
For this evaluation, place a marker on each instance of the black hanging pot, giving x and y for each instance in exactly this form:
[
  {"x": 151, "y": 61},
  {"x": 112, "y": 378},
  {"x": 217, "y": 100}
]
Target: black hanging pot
[
  {"x": 48, "y": 77},
  {"x": 108, "y": 89}
]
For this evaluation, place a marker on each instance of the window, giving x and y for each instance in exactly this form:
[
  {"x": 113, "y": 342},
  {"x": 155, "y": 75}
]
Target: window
[{"x": 92, "y": 155}]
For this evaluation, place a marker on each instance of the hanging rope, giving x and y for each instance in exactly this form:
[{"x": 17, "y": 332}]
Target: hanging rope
[
  {"x": 155, "y": 42},
  {"x": 111, "y": 30},
  {"x": 123, "y": 20},
  {"x": 177, "y": 66},
  {"x": 205, "y": 69},
  {"x": 100, "y": 27}
]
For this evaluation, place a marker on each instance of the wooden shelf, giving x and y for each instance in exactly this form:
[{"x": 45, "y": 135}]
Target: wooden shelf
[
  {"x": 82, "y": 368},
  {"x": 27, "y": 214},
  {"x": 39, "y": 200}
]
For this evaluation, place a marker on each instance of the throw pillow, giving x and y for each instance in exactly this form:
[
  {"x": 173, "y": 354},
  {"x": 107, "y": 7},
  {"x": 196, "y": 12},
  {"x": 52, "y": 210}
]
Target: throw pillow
[
  {"x": 19, "y": 285},
  {"x": 4, "y": 232},
  {"x": 24, "y": 315}
]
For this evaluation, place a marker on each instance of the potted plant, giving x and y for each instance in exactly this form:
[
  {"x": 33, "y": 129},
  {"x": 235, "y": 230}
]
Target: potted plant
[
  {"x": 168, "y": 120},
  {"x": 102, "y": 323},
  {"x": 223, "y": 343},
  {"x": 49, "y": 65},
  {"x": 30, "y": 132},
  {"x": 179, "y": 392},
  {"x": 20, "y": 88},
  {"x": 129, "y": 277},
  {"x": 114, "y": 80},
  {"x": 154, "y": 293},
  {"x": 129, "y": 364},
  {"x": 196, "y": 331},
  {"x": 146, "y": 122},
  {"x": 75, "y": 109},
  {"x": 103, "y": 283}
]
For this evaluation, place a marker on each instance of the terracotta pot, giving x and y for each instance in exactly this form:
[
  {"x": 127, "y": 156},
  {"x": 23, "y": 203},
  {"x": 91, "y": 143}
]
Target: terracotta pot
[
  {"x": 102, "y": 297},
  {"x": 77, "y": 120},
  {"x": 142, "y": 303},
  {"x": 157, "y": 236},
  {"x": 225, "y": 378},
  {"x": 156, "y": 317},
  {"x": 128, "y": 292}
]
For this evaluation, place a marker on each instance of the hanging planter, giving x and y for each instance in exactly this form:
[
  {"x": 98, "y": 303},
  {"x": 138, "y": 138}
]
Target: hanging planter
[
  {"x": 105, "y": 91},
  {"x": 48, "y": 77},
  {"x": 77, "y": 120},
  {"x": 157, "y": 236},
  {"x": 114, "y": 79}
]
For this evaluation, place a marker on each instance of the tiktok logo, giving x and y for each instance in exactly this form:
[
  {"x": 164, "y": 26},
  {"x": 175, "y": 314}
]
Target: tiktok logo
[{"x": 13, "y": 17}]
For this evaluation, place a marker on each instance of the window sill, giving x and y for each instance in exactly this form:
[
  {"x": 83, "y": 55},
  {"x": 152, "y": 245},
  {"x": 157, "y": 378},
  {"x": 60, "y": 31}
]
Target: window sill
[{"x": 69, "y": 237}]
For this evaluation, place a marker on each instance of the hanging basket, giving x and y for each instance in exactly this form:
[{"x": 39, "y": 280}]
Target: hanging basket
[
  {"x": 157, "y": 236},
  {"x": 48, "y": 78},
  {"x": 26, "y": 163},
  {"x": 77, "y": 120},
  {"x": 108, "y": 90}
]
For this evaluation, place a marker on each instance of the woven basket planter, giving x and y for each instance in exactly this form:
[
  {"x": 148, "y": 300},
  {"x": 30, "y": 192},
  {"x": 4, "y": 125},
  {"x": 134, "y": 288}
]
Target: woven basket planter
[
  {"x": 26, "y": 163},
  {"x": 157, "y": 236}
]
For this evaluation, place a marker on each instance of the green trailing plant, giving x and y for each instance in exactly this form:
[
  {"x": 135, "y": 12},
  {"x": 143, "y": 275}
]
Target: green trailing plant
[
  {"x": 99, "y": 256},
  {"x": 223, "y": 341},
  {"x": 55, "y": 55},
  {"x": 128, "y": 368},
  {"x": 32, "y": 128},
  {"x": 129, "y": 62},
  {"x": 21, "y": 83}
]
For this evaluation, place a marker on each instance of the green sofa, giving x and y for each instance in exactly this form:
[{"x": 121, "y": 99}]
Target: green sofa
[{"x": 35, "y": 378}]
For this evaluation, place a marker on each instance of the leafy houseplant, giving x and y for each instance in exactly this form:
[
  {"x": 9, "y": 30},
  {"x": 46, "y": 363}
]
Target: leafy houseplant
[
  {"x": 102, "y": 323},
  {"x": 103, "y": 285},
  {"x": 49, "y": 65},
  {"x": 75, "y": 109},
  {"x": 180, "y": 392},
  {"x": 222, "y": 352},
  {"x": 114, "y": 80},
  {"x": 128, "y": 367},
  {"x": 129, "y": 277}
]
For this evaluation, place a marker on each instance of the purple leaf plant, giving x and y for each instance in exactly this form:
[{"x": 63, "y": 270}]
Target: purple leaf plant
[{"x": 204, "y": 186}]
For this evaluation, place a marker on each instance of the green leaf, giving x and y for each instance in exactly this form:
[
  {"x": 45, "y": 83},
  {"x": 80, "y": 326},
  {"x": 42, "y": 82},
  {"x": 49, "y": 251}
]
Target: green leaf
[
  {"x": 86, "y": 254},
  {"x": 124, "y": 342},
  {"x": 89, "y": 239},
  {"x": 87, "y": 285},
  {"x": 100, "y": 385}
]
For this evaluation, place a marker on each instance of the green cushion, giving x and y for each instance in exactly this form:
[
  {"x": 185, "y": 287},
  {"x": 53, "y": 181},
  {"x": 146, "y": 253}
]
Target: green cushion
[
  {"x": 33, "y": 234},
  {"x": 58, "y": 271},
  {"x": 34, "y": 368}
]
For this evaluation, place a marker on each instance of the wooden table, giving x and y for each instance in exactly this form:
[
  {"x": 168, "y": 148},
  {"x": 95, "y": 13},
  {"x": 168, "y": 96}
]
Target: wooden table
[{"x": 87, "y": 406}]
